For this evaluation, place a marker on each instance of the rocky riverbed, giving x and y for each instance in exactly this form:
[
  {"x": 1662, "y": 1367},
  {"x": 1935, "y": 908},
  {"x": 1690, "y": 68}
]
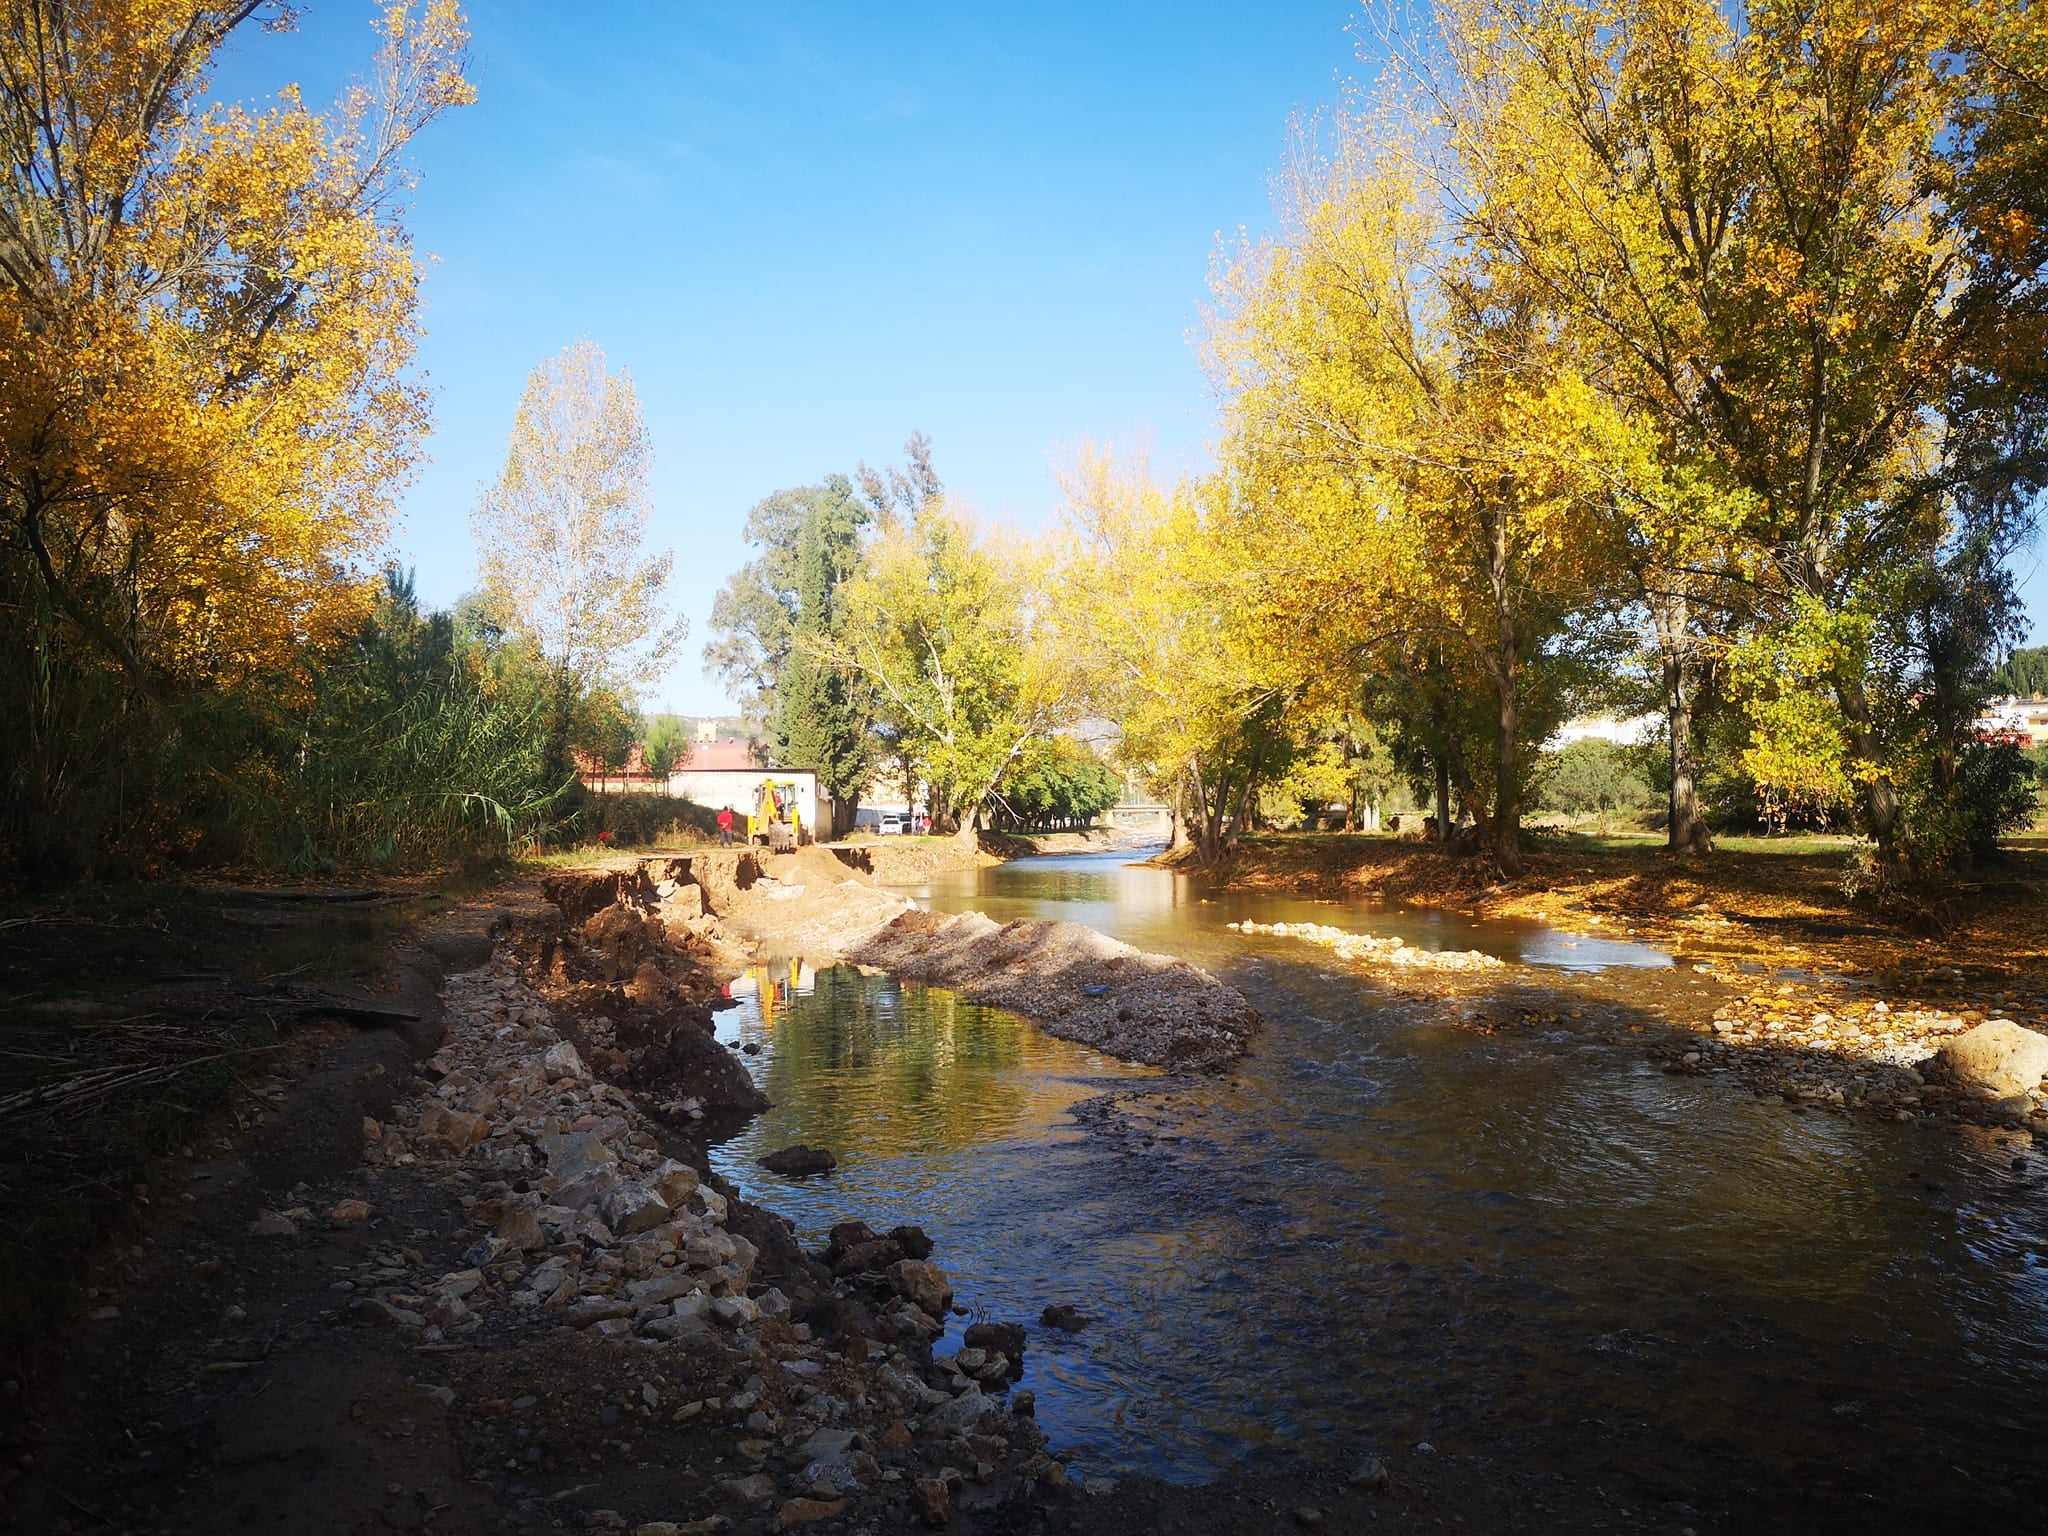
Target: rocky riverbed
[
  {"x": 487, "y": 1282},
  {"x": 765, "y": 1382},
  {"x": 521, "y": 1302},
  {"x": 1825, "y": 1043}
]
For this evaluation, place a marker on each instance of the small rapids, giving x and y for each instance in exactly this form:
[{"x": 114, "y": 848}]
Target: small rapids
[{"x": 1379, "y": 1230}]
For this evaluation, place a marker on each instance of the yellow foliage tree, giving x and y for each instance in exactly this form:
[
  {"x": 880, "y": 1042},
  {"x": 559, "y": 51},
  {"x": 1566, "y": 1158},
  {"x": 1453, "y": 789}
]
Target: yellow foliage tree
[
  {"x": 1148, "y": 598},
  {"x": 560, "y": 537},
  {"x": 1802, "y": 236},
  {"x": 1414, "y": 452},
  {"x": 207, "y": 317},
  {"x": 944, "y": 622}
]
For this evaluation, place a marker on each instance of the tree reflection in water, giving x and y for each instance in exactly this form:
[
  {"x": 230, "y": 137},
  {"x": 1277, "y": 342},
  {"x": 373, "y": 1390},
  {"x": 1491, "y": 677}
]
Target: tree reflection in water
[{"x": 878, "y": 1069}]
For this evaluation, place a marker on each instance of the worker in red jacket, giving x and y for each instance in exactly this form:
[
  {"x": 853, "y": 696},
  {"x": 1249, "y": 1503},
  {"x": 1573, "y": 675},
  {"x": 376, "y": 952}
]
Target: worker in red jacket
[{"x": 725, "y": 827}]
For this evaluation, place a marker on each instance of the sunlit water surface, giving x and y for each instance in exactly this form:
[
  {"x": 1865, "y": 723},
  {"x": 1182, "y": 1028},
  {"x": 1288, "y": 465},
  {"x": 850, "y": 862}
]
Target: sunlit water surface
[{"x": 1377, "y": 1230}]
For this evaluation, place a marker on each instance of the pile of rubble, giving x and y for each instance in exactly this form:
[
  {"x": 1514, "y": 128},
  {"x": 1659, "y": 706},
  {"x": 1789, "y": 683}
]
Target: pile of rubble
[
  {"x": 816, "y": 1393},
  {"x": 1074, "y": 983},
  {"x": 1372, "y": 949}
]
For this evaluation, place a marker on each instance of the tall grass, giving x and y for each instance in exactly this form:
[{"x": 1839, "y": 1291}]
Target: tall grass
[{"x": 425, "y": 739}]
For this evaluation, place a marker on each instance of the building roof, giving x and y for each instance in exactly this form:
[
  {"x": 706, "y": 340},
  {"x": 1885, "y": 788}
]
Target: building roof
[{"x": 708, "y": 755}]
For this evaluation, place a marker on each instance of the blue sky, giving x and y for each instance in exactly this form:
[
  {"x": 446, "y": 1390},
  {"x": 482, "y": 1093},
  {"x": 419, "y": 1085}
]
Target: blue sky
[{"x": 810, "y": 229}]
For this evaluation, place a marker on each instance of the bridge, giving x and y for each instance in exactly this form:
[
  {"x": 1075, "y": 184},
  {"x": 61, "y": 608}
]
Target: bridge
[{"x": 1138, "y": 815}]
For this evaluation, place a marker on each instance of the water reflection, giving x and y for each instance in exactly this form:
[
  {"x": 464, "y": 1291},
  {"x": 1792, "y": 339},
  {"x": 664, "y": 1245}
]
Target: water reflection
[{"x": 901, "y": 1081}]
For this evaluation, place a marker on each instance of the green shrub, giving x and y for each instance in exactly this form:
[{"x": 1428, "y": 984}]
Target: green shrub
[
  {"x": 642, "y": 821},
  {"x": 1591, "y": 775}
]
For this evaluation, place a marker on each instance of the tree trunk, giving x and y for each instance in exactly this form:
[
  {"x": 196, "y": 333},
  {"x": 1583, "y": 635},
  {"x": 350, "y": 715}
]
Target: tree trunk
[
  {"x": 1879, "y": 801},
  {"x": 1507, "y": 801},
  {"x": 556, "y": 765},
  {"x": 1440, "y": 758},
  {"x": 1244, "y": 808},
  {"x": 968, "y": 833},
  {"x": 1685, "y": 826},
  {"x": 1208, "y": 836}
]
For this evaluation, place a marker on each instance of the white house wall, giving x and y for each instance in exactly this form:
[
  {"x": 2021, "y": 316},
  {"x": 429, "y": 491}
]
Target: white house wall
[{"x": 734, "y": 788}]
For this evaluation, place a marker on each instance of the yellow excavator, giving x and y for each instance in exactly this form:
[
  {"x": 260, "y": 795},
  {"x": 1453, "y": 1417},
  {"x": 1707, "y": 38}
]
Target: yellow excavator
[{"x": 775, "y": 820}]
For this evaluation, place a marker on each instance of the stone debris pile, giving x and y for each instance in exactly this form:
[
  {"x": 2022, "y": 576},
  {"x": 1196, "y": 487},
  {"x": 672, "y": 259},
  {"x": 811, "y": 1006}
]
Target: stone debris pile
[
  {"x": 812, "y": 1392},
  {"x": 1371, "y": 949},
  {"x": 1074, "y": 983},
  {"x": 583, "y": 1215}
]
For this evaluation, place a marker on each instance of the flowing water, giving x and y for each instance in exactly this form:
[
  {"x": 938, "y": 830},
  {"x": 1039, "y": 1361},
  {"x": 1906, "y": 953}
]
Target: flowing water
[{"x": 1378, "y": 1230}]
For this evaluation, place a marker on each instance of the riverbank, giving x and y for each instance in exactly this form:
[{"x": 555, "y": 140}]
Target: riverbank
[
  {"x": 1751, "y": 900},
  {"x": 222, "y": 1373},
  {"x": 1778, "y": 981},
  {"x": 500, "y": 1288}
]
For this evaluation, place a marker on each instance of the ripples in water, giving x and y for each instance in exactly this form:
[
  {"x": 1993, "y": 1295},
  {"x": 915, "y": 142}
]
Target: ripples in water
[{"x": 1379, "y": 1230}]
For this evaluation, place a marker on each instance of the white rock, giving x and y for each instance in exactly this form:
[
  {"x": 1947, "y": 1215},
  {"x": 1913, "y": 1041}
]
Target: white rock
[
  {"x": 562, "y": 1061},
  {"x": 1998, "y": 1055}
]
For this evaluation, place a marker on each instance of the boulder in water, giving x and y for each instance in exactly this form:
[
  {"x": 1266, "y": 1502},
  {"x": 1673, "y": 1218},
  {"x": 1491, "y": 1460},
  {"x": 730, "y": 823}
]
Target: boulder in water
[
  {"x": 1998, "y": 1054},
  {"x": 800, "y": 1161}
]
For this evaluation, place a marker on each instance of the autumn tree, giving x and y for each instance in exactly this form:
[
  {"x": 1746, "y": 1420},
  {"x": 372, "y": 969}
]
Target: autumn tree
[
  {"x": 1414, "y": 451},
  {"x": 1148, "y": 600},
  {"x": 561, "y": 535},
  {"x": 1805, "y": 240},
  {"x": 208, "y": 316},
  {"x": 944, "y": 625}
]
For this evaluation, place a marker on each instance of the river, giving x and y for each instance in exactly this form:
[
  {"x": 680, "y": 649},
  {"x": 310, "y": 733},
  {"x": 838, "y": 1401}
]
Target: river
[{"x": 1378, "y": 1231}]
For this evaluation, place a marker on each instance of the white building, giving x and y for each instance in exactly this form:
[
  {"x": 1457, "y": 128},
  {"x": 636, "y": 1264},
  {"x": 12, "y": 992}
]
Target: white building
[
  {"x": 2021, "y": 717},
  {"x": 723, "y": 775},
  {"x": 734, "y": 789}
]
